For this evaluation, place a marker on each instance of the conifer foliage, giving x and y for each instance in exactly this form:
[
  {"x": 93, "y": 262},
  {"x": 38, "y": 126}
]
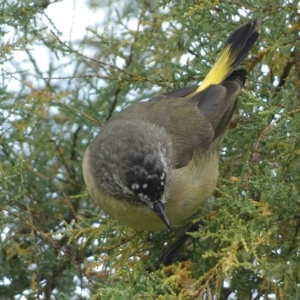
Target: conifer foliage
[{"x": 57, "y": 92}]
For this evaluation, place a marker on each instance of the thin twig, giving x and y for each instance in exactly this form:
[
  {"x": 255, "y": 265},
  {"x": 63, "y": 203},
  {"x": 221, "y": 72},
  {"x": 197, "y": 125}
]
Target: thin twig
[
  {"x": 54, "y": 99},
  {"x": 54, "y": 244},
  {"x": 132, "y": 75},
  {"x": 271, "y": 125},
  {"x": 82, "y": 76}
]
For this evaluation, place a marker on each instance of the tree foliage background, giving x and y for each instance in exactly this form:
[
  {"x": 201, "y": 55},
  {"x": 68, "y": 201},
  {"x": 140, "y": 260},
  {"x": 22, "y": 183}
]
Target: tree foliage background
[{"x": 55, "y": 243}]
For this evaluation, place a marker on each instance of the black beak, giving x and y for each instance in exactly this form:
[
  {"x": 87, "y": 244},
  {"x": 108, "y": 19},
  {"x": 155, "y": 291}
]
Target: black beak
[{"x": 159, "y": 209}]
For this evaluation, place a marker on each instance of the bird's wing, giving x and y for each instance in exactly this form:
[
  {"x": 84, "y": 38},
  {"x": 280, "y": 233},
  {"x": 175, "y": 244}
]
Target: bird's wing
[
  {"x": 181, "y": 92},
  {"x": 196, "y": 123},
  {"x": 184, "y": 123},
  {"x": 219, "y": 107}
]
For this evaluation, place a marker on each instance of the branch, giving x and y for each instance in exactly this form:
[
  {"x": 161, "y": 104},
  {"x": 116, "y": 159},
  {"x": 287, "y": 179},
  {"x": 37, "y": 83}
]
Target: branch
[
  {"x": 47, "y": 95},
  {"x": 132, "y": 75}
]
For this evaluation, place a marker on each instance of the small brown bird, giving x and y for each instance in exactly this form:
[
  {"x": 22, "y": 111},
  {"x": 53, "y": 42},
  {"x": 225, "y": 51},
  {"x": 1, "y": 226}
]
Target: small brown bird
[{"x": 155, "y": 163}]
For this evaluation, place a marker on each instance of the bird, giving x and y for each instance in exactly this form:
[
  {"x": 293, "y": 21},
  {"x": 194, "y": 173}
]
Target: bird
[{"x": 155, "y": 163}]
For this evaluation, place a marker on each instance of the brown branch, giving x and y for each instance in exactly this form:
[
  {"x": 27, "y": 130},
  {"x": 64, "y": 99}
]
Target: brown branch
[
  {"x": 65, "y": 250},
  {"x": 132, "y": 75},
  {"x": 33, "y": 237},
  {"x": 114, "y": 103},
  {"x": 128, "y": 59},
  {"x": 268, "y": 128},
  {"x": 84, "y": 76},
  {"x": 75, "y": 138},
  {"x": 60, "y": 154},
  {"x": 285, "y": 73},
  {"x": 193, "y": 53},
  {"x": 47, "y": 95}
]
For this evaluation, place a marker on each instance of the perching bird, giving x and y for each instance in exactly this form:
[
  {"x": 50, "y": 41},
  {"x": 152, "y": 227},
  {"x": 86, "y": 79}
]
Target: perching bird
[{"x": 155, "y": 163}]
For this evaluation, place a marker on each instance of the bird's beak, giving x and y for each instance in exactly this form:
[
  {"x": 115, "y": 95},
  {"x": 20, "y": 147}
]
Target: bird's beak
[{"x": 159, "y": 209}]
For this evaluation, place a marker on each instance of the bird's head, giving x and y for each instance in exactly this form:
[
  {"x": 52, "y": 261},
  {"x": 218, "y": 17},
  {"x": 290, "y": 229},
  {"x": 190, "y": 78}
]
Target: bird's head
[
  {"x": 135, "y": 166},
  {"x": 147, "y": 178}
]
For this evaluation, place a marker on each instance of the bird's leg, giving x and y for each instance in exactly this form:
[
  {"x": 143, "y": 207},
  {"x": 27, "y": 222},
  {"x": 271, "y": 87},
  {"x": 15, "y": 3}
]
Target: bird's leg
[{"x": 167, "y": 258}]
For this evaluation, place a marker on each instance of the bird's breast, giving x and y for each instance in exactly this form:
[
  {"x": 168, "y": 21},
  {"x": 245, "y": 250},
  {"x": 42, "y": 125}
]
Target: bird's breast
[
  {"x": 187, "y": 192},
  {"x": 191, "y": 186}
]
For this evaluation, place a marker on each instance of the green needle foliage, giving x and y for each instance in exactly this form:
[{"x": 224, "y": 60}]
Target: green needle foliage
[{"x": 54, "y": 96}]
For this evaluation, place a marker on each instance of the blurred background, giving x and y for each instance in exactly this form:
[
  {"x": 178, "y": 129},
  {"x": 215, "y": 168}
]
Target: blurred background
[{"x": 66, "y": 67}]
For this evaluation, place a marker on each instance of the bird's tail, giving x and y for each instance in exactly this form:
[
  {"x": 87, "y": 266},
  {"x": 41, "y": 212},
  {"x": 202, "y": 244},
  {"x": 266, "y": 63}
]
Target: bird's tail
[{"x": 237, "y": 47}]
